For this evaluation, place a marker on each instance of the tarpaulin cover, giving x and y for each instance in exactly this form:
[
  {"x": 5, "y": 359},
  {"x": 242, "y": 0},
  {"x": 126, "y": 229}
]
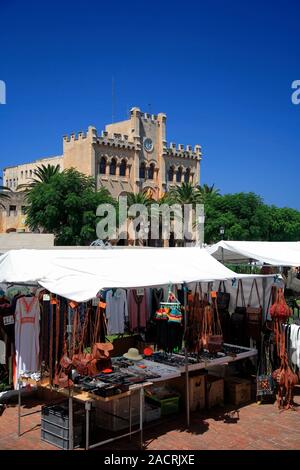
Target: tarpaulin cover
[
  {"x": 80, "y": 274},
  {"x": 273, "y": 253}
]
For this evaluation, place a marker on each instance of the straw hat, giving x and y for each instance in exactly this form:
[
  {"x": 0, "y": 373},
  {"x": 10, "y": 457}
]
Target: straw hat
[{"x": 133, "y": 354}]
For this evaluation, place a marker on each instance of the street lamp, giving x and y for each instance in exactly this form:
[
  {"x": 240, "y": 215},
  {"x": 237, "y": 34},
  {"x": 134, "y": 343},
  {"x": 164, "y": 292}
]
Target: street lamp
[{"x": 222, "y": 230}]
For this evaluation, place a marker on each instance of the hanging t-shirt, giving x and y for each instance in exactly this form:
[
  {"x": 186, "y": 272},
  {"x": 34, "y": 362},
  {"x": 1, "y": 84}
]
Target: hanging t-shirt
[
  {"x": 138, "y": 309},
  {"x": 116, "y": 311},
  {"x": 27, "y": 331}
]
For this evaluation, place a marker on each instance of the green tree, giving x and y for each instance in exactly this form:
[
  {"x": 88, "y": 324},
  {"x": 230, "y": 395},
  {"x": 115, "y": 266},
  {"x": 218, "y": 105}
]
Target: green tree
[
  {"x": 207, "y": 191},
  {"x": 245, "y": 217},
  {"x": 186, "y": 193},
  {"x": 66, "y": 205},
  {"x": 145, "y": 199},
  {"x": 42, "y": 174}
]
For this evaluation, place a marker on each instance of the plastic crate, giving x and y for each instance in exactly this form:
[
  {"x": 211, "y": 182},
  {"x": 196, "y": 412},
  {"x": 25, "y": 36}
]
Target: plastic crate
[
  {"x": 151, "y": 412},
  {"x": 62, "y": 442},
  {"x": 168, "y": 406},
  {"x": 55, "y": 425}
]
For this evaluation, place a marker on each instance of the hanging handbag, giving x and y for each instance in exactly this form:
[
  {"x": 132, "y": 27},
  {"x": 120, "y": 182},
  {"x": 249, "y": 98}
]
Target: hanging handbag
[
  {"x": 254, "y": 315},
  {"x": 264, "y": 380},
  {"x": 62, "y": 380},
  {"x": 215, "y": 339},
  {"x": 223, "y": 297},
  {"x": 238, "y": 319},
  {"x": 193, "y": 332},
  {"x": 280, "y": 310}
]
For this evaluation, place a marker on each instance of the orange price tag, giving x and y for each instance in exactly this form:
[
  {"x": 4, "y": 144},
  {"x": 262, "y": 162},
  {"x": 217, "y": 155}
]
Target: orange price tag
[
  {"x": 73, "y": 304},
  {"x": 213, "y": 294},
  {"x": 53, "y": 302},
  {"x": 102, "y": 304}
]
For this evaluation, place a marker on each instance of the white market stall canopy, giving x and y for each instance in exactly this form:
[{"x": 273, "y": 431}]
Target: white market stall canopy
[
  {"x": 80, "y": 274},
  {"x": 273, "y": 253}
]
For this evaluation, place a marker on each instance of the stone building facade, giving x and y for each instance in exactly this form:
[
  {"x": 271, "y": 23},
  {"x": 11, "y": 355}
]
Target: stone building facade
[
  {"x": 14, "y": 176},
  {"x": 128, "y": 156},
  {"x": 12, "y": 214},
  {"x": 133, "y": 155}
]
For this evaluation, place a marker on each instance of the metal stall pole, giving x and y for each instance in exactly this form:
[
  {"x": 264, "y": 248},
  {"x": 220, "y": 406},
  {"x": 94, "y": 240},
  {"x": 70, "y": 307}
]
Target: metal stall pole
[
  {"x": 186, "y": 360},
  {"x": 264, "y": 286},
  {"x": 141, "y": 416},
  {"x": 69, "y": 329},
  {"x": 71, "y": 428},
  {"x": 88, "y": 407},
  {"x": 19, "y": 407}
]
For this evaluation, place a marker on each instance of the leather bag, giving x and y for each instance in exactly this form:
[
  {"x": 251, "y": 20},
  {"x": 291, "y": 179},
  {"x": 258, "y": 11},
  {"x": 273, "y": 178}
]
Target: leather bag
[
  {"x": 280, "y": 310},
  {"x": 254, "y": 315},
  {"x": 223, "y": 297},
  {"x": 238, "y": 319}
]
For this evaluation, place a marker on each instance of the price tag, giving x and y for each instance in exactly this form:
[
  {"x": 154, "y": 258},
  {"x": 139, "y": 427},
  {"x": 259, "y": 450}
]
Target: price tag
[
  {"x": 213, "y": 294},
  {"x": 73, "y": 304},
  {"x": 8, "y": 320},
  {"x": 46, "y": 298},
  {"x": 102, "y": 305},
  {"x": 140, "y": 291}
]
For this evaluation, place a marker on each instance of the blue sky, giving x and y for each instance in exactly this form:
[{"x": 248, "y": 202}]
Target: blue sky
[{"x": 220, "y": 70}]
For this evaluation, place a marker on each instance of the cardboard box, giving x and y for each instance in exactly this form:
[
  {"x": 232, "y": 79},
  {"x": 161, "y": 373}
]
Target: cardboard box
[
  {"x": 214, "y": 391},
  {"x": 237, "y": 391},
  {"x": 196, "y": 388}
]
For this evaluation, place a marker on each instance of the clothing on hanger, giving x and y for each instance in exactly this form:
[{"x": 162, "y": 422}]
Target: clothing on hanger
[
  {"x": 137, "y": 307},
  {"x": 27, "y": 330},
  {"x": 116, "y": 311}
]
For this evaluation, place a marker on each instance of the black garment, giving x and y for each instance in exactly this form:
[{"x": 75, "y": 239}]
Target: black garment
[
  {"x": 169, "y": 335},
  {"x": 157, "y": 298},
  {"x": 6, "y": 310}
]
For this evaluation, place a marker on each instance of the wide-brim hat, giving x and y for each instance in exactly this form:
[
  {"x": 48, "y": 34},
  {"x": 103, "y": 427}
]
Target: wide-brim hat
[{"x": 133, "y": 354}]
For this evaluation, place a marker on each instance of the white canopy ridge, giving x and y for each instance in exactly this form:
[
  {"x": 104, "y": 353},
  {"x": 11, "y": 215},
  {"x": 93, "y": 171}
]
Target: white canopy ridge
[
  {"x": 273, "y": 253},
  {"x": 80, "y": 274}
]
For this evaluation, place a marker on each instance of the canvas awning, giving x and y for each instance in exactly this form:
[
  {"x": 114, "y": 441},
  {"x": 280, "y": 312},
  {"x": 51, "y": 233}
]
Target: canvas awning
[
  {"x": 273, "y": 253},
  {"x": 80, "y": 274}
]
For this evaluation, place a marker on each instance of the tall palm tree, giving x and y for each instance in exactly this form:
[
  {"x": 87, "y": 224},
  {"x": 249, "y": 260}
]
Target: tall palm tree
[
  {"x": 42, "y": 174},
  {"x": 143, "y": 198},
  {"x": 4, "y": 195},
  {"x": 186, "y": 193},
  {"x": 205, "y": 189}
]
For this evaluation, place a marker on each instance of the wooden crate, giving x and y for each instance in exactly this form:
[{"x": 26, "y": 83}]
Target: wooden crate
[
  {"x": 237, "y": 391},
  {"x": 196, "y": 387},
  {"x": 214, "y": 391}
]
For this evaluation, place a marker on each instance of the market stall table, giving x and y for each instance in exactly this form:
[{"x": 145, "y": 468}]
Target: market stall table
[{"x": 88, "y": 398}]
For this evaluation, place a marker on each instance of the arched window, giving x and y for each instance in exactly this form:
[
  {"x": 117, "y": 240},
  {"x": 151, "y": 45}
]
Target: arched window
[
  {"x": 151, "y": 171},
  {"x": 187, "y": 175},
  {"x": 179, "y": 175},
  {"x": 143, "y": 170},
  {"x": 102, "y": 166},
  {"x": 113, "y": 166},
  {"x": 123, "y": 167},
  {"x": 171, "y": 174}
]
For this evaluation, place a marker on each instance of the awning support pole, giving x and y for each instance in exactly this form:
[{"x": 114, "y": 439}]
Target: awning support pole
[{"x": 185, "y": 289}]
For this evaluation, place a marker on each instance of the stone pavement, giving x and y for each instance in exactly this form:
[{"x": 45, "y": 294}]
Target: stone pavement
[{"x": 252, "y": 427}]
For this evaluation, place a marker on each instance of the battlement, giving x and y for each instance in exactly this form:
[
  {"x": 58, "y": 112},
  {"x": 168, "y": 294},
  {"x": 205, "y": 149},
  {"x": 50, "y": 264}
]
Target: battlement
[
  {"x": 91, "y": 132},
  {"x": 148, "y": 116},
  {"x": 187, "y": 152},
  {"x": 115, "y": 140}
]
